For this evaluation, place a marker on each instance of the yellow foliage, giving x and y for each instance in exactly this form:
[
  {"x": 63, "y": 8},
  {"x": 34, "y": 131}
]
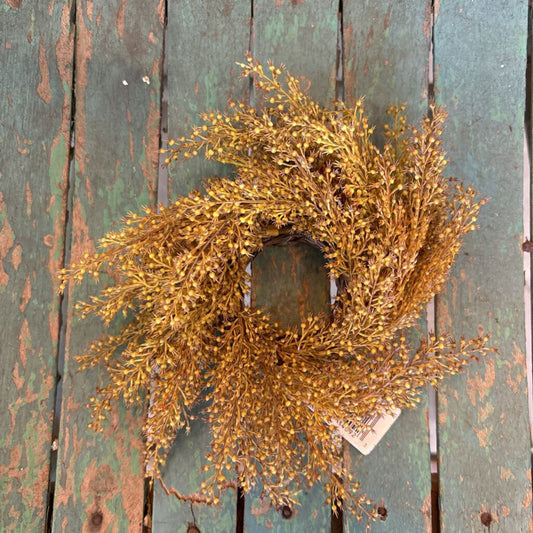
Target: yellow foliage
[{"x": 389, "y": 225}]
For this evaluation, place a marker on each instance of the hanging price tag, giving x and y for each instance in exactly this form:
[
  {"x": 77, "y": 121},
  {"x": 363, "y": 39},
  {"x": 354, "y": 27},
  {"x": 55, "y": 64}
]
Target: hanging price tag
[{"x": 365, "y": 439}]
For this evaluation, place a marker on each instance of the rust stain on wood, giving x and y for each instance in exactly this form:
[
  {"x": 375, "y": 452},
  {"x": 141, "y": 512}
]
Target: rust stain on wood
[{"x": 43, "y": 89}]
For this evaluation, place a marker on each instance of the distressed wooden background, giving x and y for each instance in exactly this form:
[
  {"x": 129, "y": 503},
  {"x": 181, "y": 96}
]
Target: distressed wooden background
[{"x": 88, "y": 91}]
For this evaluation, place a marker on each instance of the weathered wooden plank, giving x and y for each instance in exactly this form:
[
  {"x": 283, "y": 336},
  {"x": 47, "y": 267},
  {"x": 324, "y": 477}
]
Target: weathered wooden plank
[
  {"x": 291, "y": 282},
  {"x": 118, "y": 52},
  {"x": 386, "y": 47},
  {"x": 386, "y": 55},
  {"x": 35, "y": 94},
  {"x": 204, "y": 40},
  {"x": 483, "y": 423}
]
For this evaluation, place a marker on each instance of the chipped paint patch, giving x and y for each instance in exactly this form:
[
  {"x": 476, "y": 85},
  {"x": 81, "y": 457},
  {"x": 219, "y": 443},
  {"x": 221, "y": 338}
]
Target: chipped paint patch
[
  {"x": 84, "y": 56},
  {"x": 82, "y": 241},
  {"x": 6, "y": 241},
  {"x": 16, "y": 256},
  {"x": 26, "y": 295},
  {"x": 24, "y": 342},
  {"x": 478, "y": 387},
  {"x": 482, "y": 435},
  {"x": 43, "y": 89},
  {"x": 261, "y": 506},
  {"x": 506, "y": 474},
  {"x": 28, "y": 199},
  {"x": 425, "y": 510},
  {"x": 120, "y": 18}
]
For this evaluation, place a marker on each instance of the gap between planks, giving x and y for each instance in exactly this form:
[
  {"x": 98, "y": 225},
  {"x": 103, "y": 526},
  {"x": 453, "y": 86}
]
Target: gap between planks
[{"x": 63, "y": 297}]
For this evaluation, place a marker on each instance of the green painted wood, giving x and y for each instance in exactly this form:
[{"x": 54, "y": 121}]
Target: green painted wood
[
  {"x": 36, "y": 64},
  {"x": 483, "y": 423},
  {"x": 204, "y": 40},
  {"x": 100, "y": 477},
  {"x": 291, "y": 282},
  {"x": 302, "y": 35},
  {"x": 386, "y": 47}
]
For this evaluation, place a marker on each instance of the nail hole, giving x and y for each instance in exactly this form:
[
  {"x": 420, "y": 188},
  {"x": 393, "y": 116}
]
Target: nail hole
[
  {"x": 97, "y": 518},
  {"x": 486, "y": 519},
  {"x": 286, "y": 512},
  {"x": 193, "y": 529},
  {"x": 382, "y": 512}
]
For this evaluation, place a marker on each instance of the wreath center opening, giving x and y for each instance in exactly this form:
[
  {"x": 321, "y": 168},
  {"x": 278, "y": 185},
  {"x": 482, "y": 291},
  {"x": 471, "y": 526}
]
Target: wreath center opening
[{"x": 290, "y": 281}]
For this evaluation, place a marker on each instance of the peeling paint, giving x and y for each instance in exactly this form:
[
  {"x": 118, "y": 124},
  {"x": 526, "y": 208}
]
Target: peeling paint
[
  {"x": 24, "y": 342},
  {"x": 82, "y": 241},
  {"x": 482, "y": 435},
  {"x": 506, "y": 474},
  {"x": 6, "y": 241},
  {"x": 120, "y": 18},
  {"x": 83, "y": 56},
  {"x": 426, "y": 512},
  {"x": 478, "y": 387},
  {"x": 14, "y": 4},
  {"x": 26, "y": 295},
  {"x": 43, "y": 89},
  {"x": 28, "y": 199},
  {"x": 16, "y": 256}
]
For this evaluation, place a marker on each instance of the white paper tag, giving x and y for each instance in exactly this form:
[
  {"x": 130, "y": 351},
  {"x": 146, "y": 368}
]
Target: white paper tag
[{"x": 366, "y": 439}]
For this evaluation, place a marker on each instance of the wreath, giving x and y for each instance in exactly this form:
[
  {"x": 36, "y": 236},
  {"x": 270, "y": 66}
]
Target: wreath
[{"x": 388, "y": 225}]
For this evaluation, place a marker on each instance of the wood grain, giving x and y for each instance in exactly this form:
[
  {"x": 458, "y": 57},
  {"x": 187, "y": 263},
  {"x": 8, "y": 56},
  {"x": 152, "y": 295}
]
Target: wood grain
[
  {"x": 484, "y": 440},
  {"x": 386, "y": 61},
  {"x": 291, "y": 282},
  {"x": 118, "y": 52},
  {"x": 204, "y": 40},
  {"x": 35, "y": 95}
]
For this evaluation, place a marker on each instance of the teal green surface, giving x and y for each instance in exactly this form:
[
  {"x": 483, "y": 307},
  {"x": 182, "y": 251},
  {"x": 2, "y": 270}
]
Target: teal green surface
[
  {"x": 100, "y": 477},
  {"x": 35, "y": 88},
  {"x": 480, "y": 56},
  {"x": 387, "y": 61}
]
